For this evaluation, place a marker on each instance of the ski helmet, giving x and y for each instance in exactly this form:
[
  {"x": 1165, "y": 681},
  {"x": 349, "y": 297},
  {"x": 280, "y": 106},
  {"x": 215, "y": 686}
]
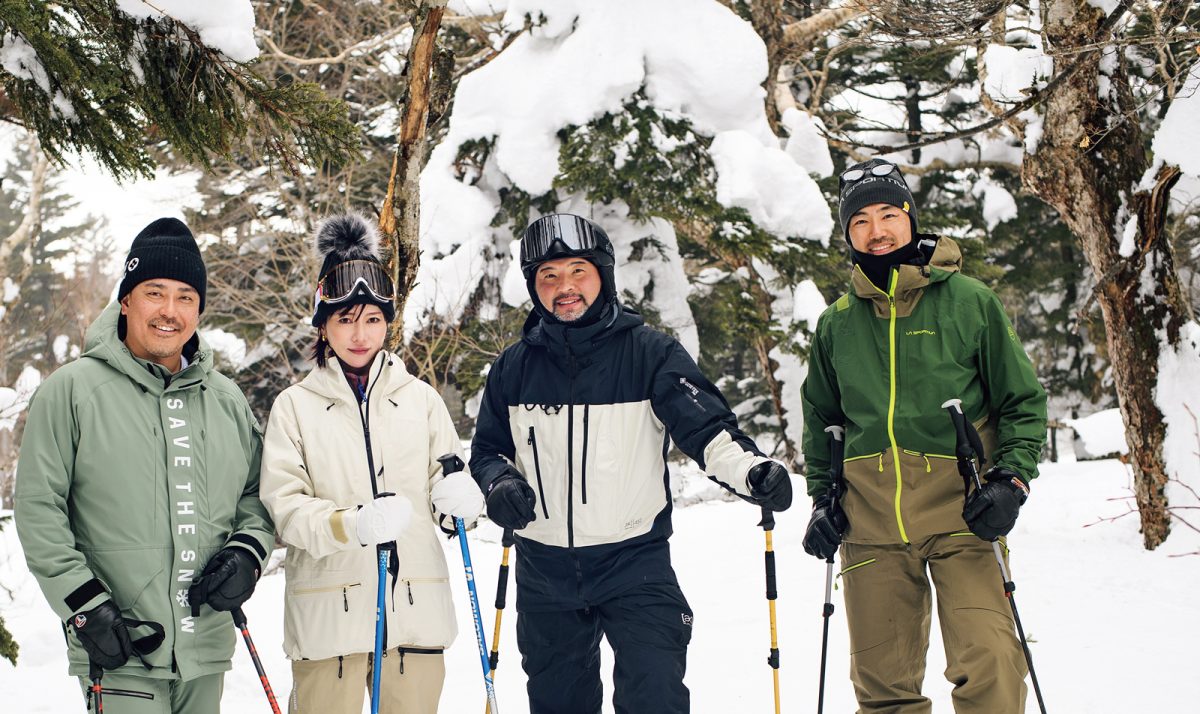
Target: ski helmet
[{"x": 563, "y": 235}]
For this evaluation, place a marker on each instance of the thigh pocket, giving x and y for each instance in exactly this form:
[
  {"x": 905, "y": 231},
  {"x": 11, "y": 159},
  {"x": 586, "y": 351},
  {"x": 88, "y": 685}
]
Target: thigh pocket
[{"x": 868, "y": 615}]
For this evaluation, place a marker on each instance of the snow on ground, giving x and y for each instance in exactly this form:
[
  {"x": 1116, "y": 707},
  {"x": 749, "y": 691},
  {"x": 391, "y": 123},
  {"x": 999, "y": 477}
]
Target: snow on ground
[{"x": 1113, "y": 627}]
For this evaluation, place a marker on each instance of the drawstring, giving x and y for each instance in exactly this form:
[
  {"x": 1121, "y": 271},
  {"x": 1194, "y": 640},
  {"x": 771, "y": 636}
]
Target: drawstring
[{"x": 339, "y": 667}]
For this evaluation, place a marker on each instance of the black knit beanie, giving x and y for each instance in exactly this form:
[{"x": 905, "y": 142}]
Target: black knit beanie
[
  {"x": 871, "y": 189},
  {"x": 164, "y": 249}
]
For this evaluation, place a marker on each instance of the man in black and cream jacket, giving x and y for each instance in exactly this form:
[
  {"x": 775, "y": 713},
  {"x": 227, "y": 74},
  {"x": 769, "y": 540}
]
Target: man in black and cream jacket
[{"x": 570, "y": 450}]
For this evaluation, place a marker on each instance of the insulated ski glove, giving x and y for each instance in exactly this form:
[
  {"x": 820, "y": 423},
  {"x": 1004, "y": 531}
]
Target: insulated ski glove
[
  {"x": 457, "y": 496},
  {"x": 227, "y": 581},
  {"x": 770, "y": 485},
  {"x": 991, "y": 511},
  {"x": 510, "y": 501},
  {"x": 103, "y": 634},
  {"x": 825, "y": 528},
  {"x": 383, "y": 520}
]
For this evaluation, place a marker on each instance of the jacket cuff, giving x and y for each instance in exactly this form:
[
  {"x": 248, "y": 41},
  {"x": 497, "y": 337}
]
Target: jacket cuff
[
  {"x": 86, "y": 597},
  {"x": 248, "y": 543},
  {"x": 344, "y": 525}
]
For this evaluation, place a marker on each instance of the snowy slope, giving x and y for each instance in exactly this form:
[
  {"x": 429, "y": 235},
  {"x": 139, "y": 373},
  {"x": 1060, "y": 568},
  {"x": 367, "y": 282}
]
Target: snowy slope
[{"x": 1114, "y": 627}]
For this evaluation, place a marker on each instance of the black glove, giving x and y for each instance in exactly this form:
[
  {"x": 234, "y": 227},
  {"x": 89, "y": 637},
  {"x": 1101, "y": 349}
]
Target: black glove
[
  {"x": 991, "y": 511},
  {"x": 227, "y": 581},
  {"x": 103, "y": 634},
  {"x": 770, "y": 485},
  {"x": 825, "y": 528},
  {"x": 510, "y": 501}
]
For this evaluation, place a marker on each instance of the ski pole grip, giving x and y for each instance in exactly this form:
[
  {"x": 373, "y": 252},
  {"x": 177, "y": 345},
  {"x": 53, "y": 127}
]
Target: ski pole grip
[
  {"x": 450, "y": 463},
  {"x": 95, "y": 671},
  {"x": 962, "y": 447},
  {"x": 507, "y": 539},
  {"x": 837, "y": 456},
  {"x": 239, "y": 618}
]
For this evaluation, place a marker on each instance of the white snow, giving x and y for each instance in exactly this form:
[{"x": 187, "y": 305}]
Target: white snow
[
  {"x": 1177, "y": 394},
  {"x": 1101, "y": 434},
  {"x": 9, "y": 290},
  {"x": 1177, "y": 140},
  {"x": 777, "y": 192},
  {"x": 474, "y": 8},
  {"x": 806, "y": 143},
  {"x": 1087, "y": 593},
  {"x": 1129, "y": 237},
  {"x": 998, "y": 204},
  {"x": 20, "y": 60},
  {"x": 14, "y": 399},
  {"x": 224, "y": 25},
  {"x": 1012, "y": 71},
  {"x": 229, "y": 346}
]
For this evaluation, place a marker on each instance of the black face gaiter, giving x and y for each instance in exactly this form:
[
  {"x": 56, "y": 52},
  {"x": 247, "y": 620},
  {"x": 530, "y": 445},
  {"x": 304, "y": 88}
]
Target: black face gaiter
[{"x": 878, "y": 268}]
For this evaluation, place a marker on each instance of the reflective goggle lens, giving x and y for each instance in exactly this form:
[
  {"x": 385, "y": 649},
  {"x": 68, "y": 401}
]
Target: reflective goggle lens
[
  {"x": 574, "y": 232},
  {"x": 878, "y": 170},
  {"x": 341, "y": 282}
]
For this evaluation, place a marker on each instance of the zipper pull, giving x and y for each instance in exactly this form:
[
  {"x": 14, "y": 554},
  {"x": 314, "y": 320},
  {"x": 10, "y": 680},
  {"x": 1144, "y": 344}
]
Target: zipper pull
[
  {"x": 880, "y": 462},
  {"x": 928, "y": 467},
  {"x": 345, "y": 599},
  {"x": 408, "y": 583},
  {"x": 529, "y": 441}
]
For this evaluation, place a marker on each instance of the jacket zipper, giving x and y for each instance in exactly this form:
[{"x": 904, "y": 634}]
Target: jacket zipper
[
  {"x": 891, "y": 417},
  {"x": 537, "y": 470},
  {"x": 583, "y": 464},
  {"x": 571, "y": 369}
]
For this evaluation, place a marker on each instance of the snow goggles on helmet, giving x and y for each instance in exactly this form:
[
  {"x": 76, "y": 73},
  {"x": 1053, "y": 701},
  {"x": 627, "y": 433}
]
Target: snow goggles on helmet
[
  {"x": 347, "y": 279},
  {"x": 877, "y": 170},
  {"x": 563, "y": 235}
]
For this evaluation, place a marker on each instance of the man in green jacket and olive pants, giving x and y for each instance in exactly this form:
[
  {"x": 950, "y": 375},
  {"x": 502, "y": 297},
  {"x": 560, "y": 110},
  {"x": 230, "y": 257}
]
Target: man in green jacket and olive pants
[
  {"x": 912, "y": 333},
  {"x": 137, "y": 492}
]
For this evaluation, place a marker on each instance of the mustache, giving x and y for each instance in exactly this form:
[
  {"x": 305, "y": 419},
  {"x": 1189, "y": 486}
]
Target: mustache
[{"x": 568, "y": 296}]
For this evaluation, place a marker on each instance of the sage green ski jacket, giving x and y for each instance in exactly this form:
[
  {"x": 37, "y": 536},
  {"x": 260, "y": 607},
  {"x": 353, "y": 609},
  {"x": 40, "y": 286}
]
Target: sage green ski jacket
[
  {"x": 126, "y": 487},
  {"x": 883, "y": 363}
]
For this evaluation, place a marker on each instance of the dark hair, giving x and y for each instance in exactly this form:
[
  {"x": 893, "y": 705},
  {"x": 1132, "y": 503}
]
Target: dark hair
[{"x": 320, "y": 348}]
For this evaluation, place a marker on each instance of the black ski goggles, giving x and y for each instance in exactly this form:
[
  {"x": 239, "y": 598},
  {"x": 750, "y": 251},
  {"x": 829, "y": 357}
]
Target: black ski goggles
[
  {"x": 344, "y": 280},
  {"x": 859, "y": 174},
  {"x": 565, "y": 235}
]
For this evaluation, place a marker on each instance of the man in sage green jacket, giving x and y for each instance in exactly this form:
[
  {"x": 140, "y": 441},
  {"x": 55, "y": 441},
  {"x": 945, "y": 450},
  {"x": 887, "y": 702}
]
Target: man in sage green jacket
[
  {"x": 913, "y": 333},
  {"x": 137, "y": 491}
]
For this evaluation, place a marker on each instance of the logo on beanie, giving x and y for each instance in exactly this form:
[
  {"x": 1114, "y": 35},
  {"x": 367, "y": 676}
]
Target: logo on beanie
[
  {"x": 132, "y": 265},
  {"x": 904, "y": 207}
]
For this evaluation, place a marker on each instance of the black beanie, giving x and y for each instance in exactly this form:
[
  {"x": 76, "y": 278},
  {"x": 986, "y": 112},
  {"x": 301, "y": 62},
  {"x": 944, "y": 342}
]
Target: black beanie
[
  {"x": 164, "y": 249},
  {"x": 871, "y": 189}
]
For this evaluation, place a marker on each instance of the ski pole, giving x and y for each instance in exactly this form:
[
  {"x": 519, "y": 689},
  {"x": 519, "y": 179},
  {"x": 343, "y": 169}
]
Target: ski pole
[
  {"x": 383, "y": 552},
  {"x": 836, "y": 455},
  {"x": 768, "y": 525},
  {"x": 967, "y": 447},
  {"x": 96, "y": 691},
  {"x": 451, "y": 464},
  {"x": 501, "y": 593},
  {"x": 239, "y": 619}
]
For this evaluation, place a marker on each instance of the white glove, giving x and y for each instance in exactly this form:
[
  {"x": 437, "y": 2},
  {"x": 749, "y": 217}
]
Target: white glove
[
  {"x": 383, "y": 520},
  {"x": 458, "y": 496}
]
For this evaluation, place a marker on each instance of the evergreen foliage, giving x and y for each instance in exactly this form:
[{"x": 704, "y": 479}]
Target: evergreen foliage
[
  {"x": 8, "y": 645},
  {"x": 153, "y": 82}
]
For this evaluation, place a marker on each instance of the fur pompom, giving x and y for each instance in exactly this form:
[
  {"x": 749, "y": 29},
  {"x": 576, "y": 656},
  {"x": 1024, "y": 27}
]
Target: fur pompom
[{"x": 349, "y": 236}]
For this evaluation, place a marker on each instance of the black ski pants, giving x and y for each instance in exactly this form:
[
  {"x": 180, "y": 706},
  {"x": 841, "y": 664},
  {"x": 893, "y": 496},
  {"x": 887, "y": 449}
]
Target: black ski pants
[{"x": 648, "y": 628}]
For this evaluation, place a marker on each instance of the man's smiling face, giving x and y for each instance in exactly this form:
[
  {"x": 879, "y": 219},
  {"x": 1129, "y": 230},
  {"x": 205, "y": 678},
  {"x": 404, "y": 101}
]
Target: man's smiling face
[
  {"x": 160, "y": 317},
  {"x": 567, "y": 287},
  {"x": 879, "y": 229}
]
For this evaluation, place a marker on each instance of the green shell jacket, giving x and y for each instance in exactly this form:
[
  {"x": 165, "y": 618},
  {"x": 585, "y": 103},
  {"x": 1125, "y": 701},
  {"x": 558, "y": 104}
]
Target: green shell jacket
[
  {"x": 126, "y": 487},
  {"x": 882, "y": 364}
]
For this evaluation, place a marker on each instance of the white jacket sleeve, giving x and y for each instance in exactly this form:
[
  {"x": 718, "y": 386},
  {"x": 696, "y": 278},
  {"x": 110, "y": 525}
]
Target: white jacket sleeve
[
  {"x": 316, "y": 525},
  {"x": 443, "y": 439}
]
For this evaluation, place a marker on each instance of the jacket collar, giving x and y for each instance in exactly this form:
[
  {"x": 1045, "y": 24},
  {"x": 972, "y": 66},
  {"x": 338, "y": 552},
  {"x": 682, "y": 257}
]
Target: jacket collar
[
  {"x": 910, "y": 281},
  {"x": 565, "y": 341},
  {"x": 103, "y": 343},
  {"x": 386, "y": 375}
]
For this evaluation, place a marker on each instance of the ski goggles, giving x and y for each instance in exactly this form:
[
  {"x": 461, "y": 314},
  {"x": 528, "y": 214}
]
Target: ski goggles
[
  {"x": 345, "y": 279},
  {"x": 858, "y": 174},
  {"x": 567, "y": 235}
]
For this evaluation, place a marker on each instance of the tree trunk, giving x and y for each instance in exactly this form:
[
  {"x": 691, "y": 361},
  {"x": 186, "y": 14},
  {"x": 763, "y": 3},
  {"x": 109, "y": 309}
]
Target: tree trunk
[
  {"x": 1088, "y": 166},
  {"x": 400, "y": 217}
]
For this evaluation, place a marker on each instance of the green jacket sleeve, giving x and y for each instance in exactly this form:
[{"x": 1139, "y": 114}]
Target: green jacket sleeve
[
  {"x": 44, "y": 473},
  {"x": 1015, "y": 396},
  {"x": 821, "y": 402},
  {"x": 253, "y": 528}
]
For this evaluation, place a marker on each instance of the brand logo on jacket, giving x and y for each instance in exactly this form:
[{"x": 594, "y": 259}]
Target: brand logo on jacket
[
  {"x": 687, "y": 619},
  {"x": 913, "y": 333}
]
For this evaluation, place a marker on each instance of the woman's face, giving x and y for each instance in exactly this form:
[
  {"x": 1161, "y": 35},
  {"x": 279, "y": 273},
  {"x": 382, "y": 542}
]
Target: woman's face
[{"x": 356, "y": 334}]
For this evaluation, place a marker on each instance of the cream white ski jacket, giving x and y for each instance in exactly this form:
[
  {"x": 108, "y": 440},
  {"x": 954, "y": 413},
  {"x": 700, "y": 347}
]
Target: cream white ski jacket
[{"x": 315, "y": 475}]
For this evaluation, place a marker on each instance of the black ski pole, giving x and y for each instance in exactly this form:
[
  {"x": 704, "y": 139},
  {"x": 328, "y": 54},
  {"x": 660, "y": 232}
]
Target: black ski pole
[
  {"x": 96, "y": 691},
  {"x": 768, "y": 525},
  {"x": 501, "y": 595},
  {"x": 836, "y": 456},
  {"x": 239, "y": 619},
  {"x": 968, "y": 446}
]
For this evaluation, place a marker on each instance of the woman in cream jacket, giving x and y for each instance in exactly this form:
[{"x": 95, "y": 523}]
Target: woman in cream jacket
[{"x": 360, "y": 425}]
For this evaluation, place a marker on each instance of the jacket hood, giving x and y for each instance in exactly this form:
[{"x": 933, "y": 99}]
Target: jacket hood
[
  {"x": 386, "y": 375},
  {"x": 103, "y": 343}
]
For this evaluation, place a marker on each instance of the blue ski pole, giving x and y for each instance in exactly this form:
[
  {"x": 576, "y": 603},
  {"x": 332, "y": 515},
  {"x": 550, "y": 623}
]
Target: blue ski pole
[
  {"x": 384, "y": 552},
  {"x": 450, "y": 464}
]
